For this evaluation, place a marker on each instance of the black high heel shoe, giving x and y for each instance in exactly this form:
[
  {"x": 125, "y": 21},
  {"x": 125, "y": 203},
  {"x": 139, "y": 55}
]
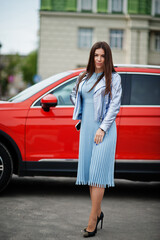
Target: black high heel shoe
[
  {"x": 100, "y": 219},
  {"x": 85, "y": 229},
  {"x": 87, "y": 234}
]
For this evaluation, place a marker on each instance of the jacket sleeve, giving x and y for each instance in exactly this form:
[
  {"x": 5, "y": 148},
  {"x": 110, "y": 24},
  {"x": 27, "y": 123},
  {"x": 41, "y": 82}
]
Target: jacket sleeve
[
  {"x": 114, "y": 105},
  {"x": 74, "y": 90}
]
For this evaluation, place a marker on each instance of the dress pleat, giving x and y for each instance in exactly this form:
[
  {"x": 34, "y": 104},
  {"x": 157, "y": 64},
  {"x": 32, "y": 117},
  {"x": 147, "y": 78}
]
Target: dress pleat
[{"x": 96, "y": 162}]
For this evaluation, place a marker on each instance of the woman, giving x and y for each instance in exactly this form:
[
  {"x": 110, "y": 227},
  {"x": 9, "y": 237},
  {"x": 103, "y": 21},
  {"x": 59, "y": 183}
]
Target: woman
[{"x": 97, "y": 97}]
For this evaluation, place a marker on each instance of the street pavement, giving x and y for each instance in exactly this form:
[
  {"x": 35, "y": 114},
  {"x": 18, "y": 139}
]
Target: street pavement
[{"x": 45, "y": 208}]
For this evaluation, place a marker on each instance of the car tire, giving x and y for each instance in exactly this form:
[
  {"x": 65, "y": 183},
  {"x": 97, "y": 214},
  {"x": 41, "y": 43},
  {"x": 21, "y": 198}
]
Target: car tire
[{"x": 6, "y": 167}]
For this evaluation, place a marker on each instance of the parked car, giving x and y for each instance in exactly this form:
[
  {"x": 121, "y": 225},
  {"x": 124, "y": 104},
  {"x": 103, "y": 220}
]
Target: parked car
[{"x": 38, "y": 135}]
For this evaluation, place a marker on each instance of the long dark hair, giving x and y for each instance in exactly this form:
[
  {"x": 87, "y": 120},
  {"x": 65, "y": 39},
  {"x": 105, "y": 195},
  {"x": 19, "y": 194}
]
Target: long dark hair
[{"x": 108, "y": 66}]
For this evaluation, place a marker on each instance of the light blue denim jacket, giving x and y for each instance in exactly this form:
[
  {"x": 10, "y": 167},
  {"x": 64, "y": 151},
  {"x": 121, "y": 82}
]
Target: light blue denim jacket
[{"x": 105, "y": 108}]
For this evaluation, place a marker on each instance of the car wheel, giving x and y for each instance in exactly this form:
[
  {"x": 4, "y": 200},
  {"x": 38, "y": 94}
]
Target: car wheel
[{"x": 6, "y": 167}]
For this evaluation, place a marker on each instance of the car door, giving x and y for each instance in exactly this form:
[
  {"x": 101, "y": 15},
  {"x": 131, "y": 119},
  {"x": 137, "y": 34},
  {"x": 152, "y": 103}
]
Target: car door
[
  {"x": 123, "y": 99},
  {"x": 52, "y": 135},
  {"x": 139, "y": 129}
]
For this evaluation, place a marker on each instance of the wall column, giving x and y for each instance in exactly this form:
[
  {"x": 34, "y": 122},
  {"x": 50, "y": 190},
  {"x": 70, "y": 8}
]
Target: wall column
[{"x": 137, "y": 42}]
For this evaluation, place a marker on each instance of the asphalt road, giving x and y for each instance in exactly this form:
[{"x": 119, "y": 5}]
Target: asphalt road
[{"x": 45, "y": 208}]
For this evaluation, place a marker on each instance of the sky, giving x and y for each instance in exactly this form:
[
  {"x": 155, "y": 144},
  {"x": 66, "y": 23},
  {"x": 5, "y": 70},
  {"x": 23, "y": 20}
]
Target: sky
[{"x": 19, "y": 26}]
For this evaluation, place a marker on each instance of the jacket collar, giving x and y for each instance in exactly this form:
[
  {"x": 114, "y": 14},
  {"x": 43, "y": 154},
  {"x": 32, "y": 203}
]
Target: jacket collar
[{"x": 101, "y": 84}]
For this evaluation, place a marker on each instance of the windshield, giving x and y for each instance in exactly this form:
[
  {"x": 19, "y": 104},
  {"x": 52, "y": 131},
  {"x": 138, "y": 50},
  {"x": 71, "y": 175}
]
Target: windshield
[{"x": 30, "y": 91}]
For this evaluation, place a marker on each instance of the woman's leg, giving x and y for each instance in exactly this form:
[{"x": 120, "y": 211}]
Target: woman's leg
[
  {"x": 96, "y": 198},
  {"x": 99, "y": 211},
  {"x": 90, "y": 189}
]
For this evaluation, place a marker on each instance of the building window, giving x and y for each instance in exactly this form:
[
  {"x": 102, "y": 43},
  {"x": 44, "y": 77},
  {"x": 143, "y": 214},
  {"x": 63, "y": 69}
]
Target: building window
[
  {"x": 85, "y": 37},
  {"x": 117, "y": 5},
  {"x": 86, "y": 5},
  {"x": 116, "y": 39},
  {"x": 157, "y": 42},
  {"x": 155, "y": 7}
]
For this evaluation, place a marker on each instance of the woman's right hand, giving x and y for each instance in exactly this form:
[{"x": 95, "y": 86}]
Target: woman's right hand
[{"x": 99, "y": 136}]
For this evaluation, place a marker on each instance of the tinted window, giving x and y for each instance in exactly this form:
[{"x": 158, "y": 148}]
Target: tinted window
[
  {"x": 145, "y": 89},
  {"x": 125, "y": 91}
]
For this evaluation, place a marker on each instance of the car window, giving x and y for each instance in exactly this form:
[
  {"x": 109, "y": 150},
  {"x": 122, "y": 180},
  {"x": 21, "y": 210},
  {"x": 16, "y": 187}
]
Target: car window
[
  {"x": 145, "y": 89},
  {"x": 63, "y": 92}
]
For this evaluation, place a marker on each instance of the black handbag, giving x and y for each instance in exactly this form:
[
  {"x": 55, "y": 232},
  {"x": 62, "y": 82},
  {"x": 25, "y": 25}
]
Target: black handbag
[{"x": 78, "y": 126}]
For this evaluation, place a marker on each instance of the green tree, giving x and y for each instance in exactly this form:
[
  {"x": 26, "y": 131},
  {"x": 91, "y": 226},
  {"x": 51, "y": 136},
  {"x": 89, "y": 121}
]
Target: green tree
[
  {"x": 29, "y": 67},
  {"x": 10, "y": 68}
]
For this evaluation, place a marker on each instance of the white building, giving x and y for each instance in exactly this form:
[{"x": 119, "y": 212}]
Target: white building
[{"x": 69, "y": 28}]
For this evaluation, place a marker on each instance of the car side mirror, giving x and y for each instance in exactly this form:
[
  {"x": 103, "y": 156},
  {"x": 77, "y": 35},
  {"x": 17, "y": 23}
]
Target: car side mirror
[{"x": 48, "y": 101}]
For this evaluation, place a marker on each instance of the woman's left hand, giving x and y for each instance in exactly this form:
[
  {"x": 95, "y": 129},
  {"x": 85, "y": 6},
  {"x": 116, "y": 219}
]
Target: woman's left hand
[{"x": 99, "y": 136}]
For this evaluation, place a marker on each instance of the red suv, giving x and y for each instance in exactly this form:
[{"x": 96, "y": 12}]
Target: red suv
[{"x": 38, "y": 135}]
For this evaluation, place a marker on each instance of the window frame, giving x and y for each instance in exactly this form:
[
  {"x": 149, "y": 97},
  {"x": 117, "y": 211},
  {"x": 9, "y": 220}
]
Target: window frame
[
  {"x": 80, "y": 45},
  {"x": 121, "y": 38}
]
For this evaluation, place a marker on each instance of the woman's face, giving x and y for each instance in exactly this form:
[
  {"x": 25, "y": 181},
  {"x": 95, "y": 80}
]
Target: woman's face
[{"x": 99, "y": 59}]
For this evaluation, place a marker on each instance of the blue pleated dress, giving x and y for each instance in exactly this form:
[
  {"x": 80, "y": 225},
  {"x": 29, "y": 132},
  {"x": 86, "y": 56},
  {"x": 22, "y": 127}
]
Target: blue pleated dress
[{"x": 96, "y": 162}]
